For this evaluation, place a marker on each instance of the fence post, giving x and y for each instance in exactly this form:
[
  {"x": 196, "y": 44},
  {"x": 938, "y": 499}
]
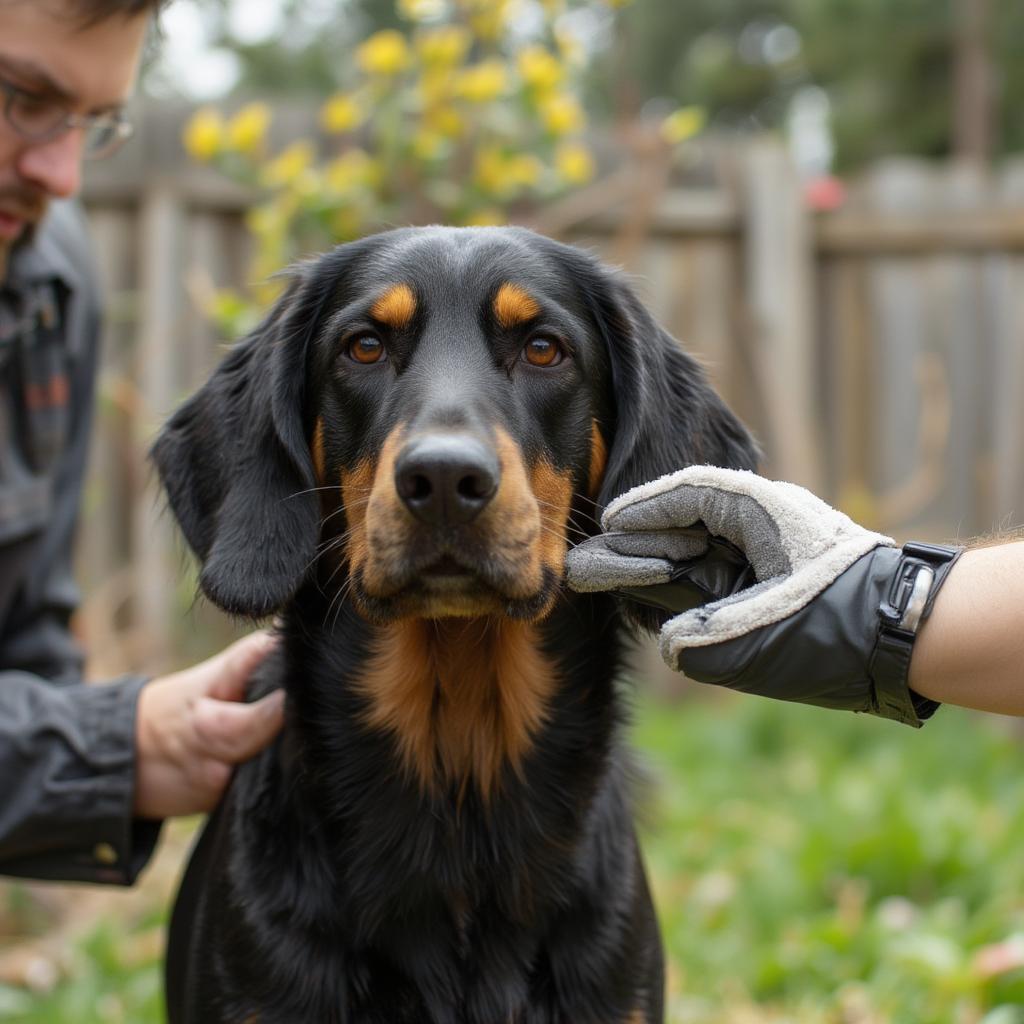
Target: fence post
[
  {"x": 160, "y": 240},
  {"x": 1005, "y": 298},
  {"x": 778, "y": 271}
]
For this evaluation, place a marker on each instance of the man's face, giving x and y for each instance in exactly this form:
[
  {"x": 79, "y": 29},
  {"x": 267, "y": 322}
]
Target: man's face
[{"x": 46, "y": 51}]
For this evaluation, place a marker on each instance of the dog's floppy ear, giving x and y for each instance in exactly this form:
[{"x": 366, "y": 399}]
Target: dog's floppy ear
[
  {"x": 667, "y": 416},
  {"x": 235, "y": 461}
]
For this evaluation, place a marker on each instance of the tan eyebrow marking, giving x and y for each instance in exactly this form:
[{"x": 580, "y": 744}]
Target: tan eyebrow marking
[
  {"x": 395, "y": 307},
  {"x": 514, "y": 305}
]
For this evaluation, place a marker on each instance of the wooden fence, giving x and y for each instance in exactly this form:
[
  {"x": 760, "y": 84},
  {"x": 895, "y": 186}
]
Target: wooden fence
[{"x": 878, "y": 351}]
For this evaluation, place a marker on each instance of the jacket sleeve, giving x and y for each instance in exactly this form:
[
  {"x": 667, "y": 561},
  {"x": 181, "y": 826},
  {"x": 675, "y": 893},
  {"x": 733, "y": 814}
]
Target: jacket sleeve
[
  {"x": 67, "y": 748},
  {"x": 67, "y": 761}
]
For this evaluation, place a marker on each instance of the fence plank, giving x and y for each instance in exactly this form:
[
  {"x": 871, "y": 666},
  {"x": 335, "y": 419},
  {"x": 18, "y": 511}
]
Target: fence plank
[
  {"x": 160, "y": 225},
  {"x": 907, "y": 468},
  {"x": 780, "y": 302},
  {"x": 109, "y": 485},
  {"x": 961, "y": 334},
  {"x": 846, "y": 398},
  {"x": 1005, "y": 297}
]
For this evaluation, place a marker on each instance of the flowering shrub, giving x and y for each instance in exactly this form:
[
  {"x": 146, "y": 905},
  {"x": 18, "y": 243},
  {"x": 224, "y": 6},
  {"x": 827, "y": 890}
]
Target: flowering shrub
[{"x": 452, "y": 119}]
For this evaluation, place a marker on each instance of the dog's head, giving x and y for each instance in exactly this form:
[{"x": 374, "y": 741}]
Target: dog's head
[{"x": 436, "y": 410}]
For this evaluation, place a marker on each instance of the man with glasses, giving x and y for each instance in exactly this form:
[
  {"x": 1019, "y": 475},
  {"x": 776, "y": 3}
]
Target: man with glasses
[{"x": 86, "y": 772}]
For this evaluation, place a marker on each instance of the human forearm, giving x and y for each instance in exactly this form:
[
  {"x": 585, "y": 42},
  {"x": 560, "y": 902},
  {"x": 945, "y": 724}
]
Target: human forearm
[{"x": 970, "y": 651}]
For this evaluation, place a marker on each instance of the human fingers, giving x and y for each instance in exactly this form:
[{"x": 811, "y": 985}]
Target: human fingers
[
  {"x": 225, "y": 675},
  {"x": 593, "y": 566},
  {"x": 232, "y": 732},
  {"x": 673, "y": 545},
  {"x": 777, "y": 525}
]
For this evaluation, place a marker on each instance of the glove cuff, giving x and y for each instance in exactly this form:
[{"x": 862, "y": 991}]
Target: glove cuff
[{"x": 919, "y": 575}]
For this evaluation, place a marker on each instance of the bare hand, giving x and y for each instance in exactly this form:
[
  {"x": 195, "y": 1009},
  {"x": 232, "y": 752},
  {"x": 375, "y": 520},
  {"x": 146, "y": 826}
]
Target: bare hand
[{"x": 191, "y": 729}]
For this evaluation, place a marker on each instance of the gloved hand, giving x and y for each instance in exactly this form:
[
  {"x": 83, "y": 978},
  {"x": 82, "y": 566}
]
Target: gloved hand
[{"x": 771, "y": 590}]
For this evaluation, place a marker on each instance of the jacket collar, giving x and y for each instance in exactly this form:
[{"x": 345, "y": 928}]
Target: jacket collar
[{"x": 44, "y": 258}]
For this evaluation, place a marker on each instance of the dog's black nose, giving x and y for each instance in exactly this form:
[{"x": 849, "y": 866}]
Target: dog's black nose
[{"x": 446, "y": 479}]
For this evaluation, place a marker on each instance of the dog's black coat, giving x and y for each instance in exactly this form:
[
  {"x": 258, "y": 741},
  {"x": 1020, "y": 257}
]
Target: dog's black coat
[{"x": 330, "y": 886}]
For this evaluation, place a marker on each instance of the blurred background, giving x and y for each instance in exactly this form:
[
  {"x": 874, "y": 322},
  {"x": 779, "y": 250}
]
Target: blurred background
[{"x": 824, "y": 201}]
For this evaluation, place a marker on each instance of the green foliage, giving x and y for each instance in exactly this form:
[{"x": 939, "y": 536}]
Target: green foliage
[
  {"x": 886, "y": 65},
  {"x": 814, "y": 864},
  {"x": 114, "y": 979},
  {"x": 809, "y": 867},
  {"x": 1009, "y": 31}
]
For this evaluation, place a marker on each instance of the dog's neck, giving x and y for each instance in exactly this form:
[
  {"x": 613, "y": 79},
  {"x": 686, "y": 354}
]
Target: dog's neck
[
  {"x": 462, "y": 698},
  {"x": 453, "y": 704}
]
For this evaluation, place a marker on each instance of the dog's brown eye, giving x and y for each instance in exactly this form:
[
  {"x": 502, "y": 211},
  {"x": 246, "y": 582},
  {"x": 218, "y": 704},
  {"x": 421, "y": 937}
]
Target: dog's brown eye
[
  {"x": 541, "y": 351},
  {"x": 366, "y": 349}
]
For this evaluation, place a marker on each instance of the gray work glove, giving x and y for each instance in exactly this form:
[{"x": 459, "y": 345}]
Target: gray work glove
[{"x": 771, "y": 590}]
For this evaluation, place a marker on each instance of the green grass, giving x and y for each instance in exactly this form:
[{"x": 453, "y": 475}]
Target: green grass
[
  {"x": 809, "y": 868},
  {"x": 108, "y": 982},
  {"x": 829, "y": 867}
]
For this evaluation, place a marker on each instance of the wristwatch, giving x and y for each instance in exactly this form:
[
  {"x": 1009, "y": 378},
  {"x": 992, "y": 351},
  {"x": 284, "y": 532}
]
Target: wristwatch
[{"x": 921, "y": 571}]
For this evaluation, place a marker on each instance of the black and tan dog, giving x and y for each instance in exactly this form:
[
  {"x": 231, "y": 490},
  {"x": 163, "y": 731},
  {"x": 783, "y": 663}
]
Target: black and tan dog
[{"x": 395, "y": 463}]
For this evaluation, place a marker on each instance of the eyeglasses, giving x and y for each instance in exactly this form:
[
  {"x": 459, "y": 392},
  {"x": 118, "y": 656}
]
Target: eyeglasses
[{"x": 41, "y": 120}]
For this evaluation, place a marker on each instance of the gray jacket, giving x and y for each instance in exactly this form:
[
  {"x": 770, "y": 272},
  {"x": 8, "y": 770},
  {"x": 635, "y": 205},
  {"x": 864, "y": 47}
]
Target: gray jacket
[{"x": 66, "y": 748}]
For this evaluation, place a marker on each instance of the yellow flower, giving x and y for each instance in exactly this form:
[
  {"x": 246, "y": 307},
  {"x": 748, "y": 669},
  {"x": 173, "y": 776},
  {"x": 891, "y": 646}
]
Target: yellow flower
[
  {"x": 434, "y": 87},
  {"x": 574, "y": 163},
  {"x": 384, "y": 53},
  {"x": 683, "y": 124},
  {"x": 486, "y": 17},
  {"x": 268, "y": 221},
  {"x": 445, "y": 121},
  {"x": 443, "y": 47},
  {"x": 501, "y": 175},
  {"x": 247, "y": 130},
  {"x": 540, "y": 69},
  {"x": 483, "y": 82},
  {"x": 204, "y": 134},
  {"x": 308, "y": 184},
  {"x": 489, "y": 25},
  {"x": 341, "y": 113},
  {"x": 353, "y": 169},
  {"x": 618, "y": 3},
  {"x": 489, "y": 171},
  {"x": 524, "y": 171},
  {"x": 421, "y": 10},
  {"x": 487, "y": 217},
  {"x": 289, "y": 165},
  {"x": 563, "y": 115},
  {"x": 428, "y": 145}
]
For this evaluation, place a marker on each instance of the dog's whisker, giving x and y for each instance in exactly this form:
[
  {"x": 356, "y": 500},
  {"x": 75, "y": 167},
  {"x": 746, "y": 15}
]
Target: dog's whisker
[
  {"x": 558, "y": 528},
  {"x": 324, "y": 548},
  {"x": 343, "y": 592},
  {"x": 312, "y": 490},
  {"x": 588, "y": 500}
]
